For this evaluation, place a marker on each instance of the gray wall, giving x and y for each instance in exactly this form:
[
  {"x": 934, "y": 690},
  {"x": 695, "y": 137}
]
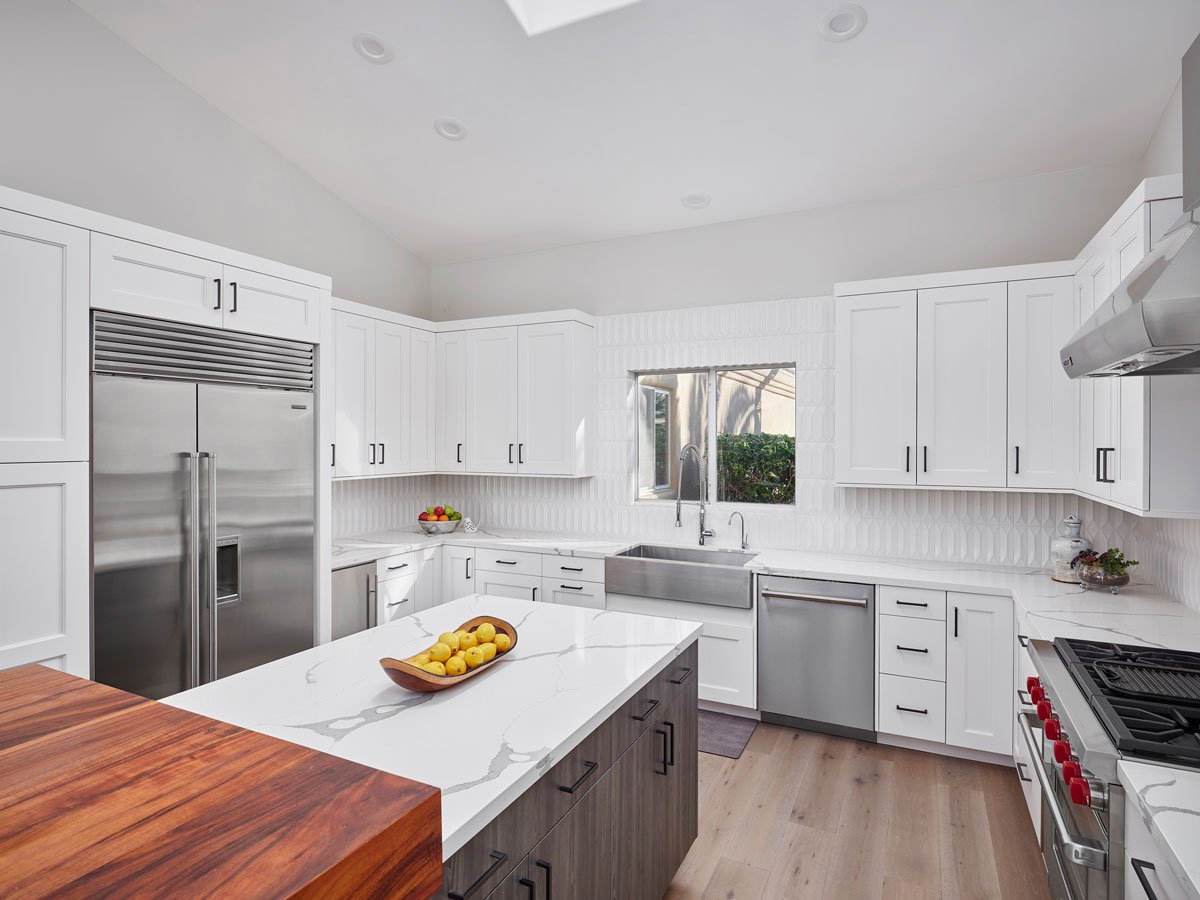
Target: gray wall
[
  {"x": 1164, "y": 154},
  {"x": 1024, "y": 220},
  {"x": 90, "y": 121}
]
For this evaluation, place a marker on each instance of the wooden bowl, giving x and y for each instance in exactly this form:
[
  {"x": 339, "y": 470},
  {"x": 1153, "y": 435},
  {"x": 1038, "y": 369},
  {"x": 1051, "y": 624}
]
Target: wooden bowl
[{"x": 409, "y": 675}]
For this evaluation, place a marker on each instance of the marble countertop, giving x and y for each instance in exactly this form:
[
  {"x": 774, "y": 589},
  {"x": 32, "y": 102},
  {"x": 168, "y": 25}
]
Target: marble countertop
[
  {"x": 483, "y": 743},
  {"x": 365, "y": 548},
  {"x": 1168, "y": 800}
]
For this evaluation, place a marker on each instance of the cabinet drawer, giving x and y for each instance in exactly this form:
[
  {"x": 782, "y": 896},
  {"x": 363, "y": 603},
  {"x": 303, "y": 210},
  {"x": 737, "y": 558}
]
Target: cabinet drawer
[
  {"x": 574, "y": 568},
  {"x": 683, "y": 671},
  {"x": 915, "y": 648},
  {"x": 640, "y": 711},
  {"x": 397, "y": 597},
  {"x": 520, "y": 563},
  {"x": 585, "y": 594},
  {"x": 918, "y": 603},
  {"x": 396, "y": 566},
  {"x": 912, "y": 707}
]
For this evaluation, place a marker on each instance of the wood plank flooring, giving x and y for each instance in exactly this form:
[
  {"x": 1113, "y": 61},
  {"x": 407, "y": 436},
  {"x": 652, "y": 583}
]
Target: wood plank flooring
[{"x": 804, "y": 816}]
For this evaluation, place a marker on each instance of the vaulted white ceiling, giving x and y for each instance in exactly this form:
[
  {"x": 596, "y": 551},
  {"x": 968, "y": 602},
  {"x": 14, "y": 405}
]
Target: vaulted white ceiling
[{"x": 597, "y": 129}]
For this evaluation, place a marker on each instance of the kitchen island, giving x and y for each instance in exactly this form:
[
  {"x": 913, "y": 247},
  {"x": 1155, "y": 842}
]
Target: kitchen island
[{"x": 573, "y": 759}]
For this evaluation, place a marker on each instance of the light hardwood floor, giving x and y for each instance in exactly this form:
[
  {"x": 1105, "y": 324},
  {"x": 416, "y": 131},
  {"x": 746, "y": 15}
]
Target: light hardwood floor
[{"x": 802, "y": 816}]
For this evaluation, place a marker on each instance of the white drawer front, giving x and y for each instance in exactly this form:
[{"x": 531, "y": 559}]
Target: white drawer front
[
  {"x": 396, "y": 566},
  {"x": 917, "y": 603},
  {"x": 915, "y": 648},
  {"x": 586, "y": 594},
  {"x": 573, "y": 567},
  {"x": 516, "y": 562},
  {"x": 397, "y": 597},
  {"x": 912, "y": 707}
]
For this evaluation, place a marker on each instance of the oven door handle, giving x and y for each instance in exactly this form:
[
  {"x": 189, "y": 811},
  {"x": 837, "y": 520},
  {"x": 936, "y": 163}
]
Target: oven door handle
[{"x": 1079, "y": 850}]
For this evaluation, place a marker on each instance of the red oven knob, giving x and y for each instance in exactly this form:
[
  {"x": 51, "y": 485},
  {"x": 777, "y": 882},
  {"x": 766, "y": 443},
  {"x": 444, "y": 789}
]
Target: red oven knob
[
  {"x": 1071, "y": 769},
  {"x": 1043, "y": 709},
  {"x": 1081, "y": 792},
  {"x": 1037, "y": 694},
  {"x": 1062, "y": 751},
  {"x": 1032, "y": 682},
  {"x": 1052, "y": 729}
]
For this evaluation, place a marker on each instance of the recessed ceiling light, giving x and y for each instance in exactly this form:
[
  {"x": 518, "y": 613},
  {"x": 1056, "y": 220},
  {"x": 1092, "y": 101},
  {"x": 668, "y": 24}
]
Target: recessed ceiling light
[
  {"x": 695, "y": 201},
  {"x": 450, "y": 129},
  {"x": 844, "y": 23},
  {"x": 372, "y": 48}
]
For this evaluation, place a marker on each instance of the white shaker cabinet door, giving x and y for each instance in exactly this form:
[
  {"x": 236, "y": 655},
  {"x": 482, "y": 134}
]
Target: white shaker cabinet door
[
  {"x": 1041, "y": 398},
  {"x": 547, "y": 426},
  {"x": 962, "y": 385},
  {"x": 389, "y": 453},
  {"x": 876, "y": 389},
  {"x": 458, "y": 572},
  {"x": 262, "y": 304},
  {"x": 451, "y": 414},
  {"x": 509, "y": 584},
  {"x": 45, "y": 560},
  {"x": 491, "y": 390},
  {"x": 43, "y": 340},
  {"x": 980, "y": 705},
  {"x": 421, "y": 400},
  {"x": 143, "y": 280},
  {"x": 354, "y": 394}
]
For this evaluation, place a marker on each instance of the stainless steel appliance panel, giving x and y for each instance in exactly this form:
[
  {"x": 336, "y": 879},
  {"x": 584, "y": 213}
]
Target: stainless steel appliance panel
[
  {"x": 816, "y": 643},
  {"x": 143, "y": 513},
  {"x": 353, "y": 599},
  {"x": 259, "y": 557}
]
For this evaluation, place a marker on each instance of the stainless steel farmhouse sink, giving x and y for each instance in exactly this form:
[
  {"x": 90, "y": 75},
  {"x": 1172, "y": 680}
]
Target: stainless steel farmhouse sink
[{"x": 691, "y": 574}]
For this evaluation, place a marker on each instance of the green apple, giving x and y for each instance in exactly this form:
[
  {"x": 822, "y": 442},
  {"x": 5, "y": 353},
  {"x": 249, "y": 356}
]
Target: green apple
[{"x": 429, "y": 509}]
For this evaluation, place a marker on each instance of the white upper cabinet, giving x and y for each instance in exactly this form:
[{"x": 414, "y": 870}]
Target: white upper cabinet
[
  {"x": 148, "y": 281},
  {"x": 552, "y": 413},
  {"x": 1093, "y": 395},
  {"x": 43, "y": 340},
  {"x": 354, "y": 393},
  {"x": 263, "y": 304},
  {"x": 1041, "y": 398},
  {"x": 452, "y": 349},
  {"x": 962, "y": 368},
  {"x": 387, "y": 453},
  {"x": 422, "y": 371},
  {"x": 491, "y": 401},
  {"x": 876, "y": 388},
  {"x": 979, "y": 672}
]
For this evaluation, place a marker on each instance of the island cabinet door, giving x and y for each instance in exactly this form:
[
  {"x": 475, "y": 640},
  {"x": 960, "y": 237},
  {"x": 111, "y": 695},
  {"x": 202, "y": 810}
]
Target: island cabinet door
[
  {"x": 565, "y": 865},
  {"x": 680, "y": 721},
  {"x": 641, "y": 810},
  {"x": 517, "y": 886}
]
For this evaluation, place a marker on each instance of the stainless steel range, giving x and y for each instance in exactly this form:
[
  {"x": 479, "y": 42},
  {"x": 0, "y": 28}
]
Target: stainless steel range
[{"x": 1097, "y": 703}]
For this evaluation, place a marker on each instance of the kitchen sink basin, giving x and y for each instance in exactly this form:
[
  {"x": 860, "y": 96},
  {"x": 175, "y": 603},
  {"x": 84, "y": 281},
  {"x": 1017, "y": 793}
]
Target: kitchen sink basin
[{"x": 690, "y": 574}]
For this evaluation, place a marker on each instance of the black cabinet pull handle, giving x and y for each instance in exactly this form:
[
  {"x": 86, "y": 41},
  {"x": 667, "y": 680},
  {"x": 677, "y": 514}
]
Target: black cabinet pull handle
[
  {"x": 671, "y": 745},
  {"x": 649, "y": 709},
  {"x": 1104, "y": 451},
  {"x": 510, "y": 446},
  {"x": 382, "y": 452},
  {"x": 218, "y": 283},
  {"x": 1097, "y": 463},
  {"x": 528, "y": 884},
  {"x": 956, "y": 621},
  {"x": 233, "y": 289},
  {"x": 1021, "y": 772},
  {"x": 506, "y": 562},
  {"x": 468, "y": 567},
  {"x": 1023, "y": 640},
  {"x": 908, "y": 458},
  {"x": 911, "y": 603},
  {"x": 548, "y": 869},
  {"x": 663, "y": 762},
  {"x": 401, "y": 566},
  {"x": 372, "y": 454},
  {"x": 1139, "y": 867},
  {"x": 571, "y": 568},
  {"x": 912, "y": 649},
  {"x": 922, "y": 712},
  {"x": 925, "y": 461},
  {"x": 589, "y": 769},
  {"x": 687, "y": 672},
  {"x": 459, "y": 458},
  {"x": 498, "y": 858},
  {"x": 333, "y": 454},
  {"x": 571, "y": 587},
  {"x": 1017, "y": 469},
  {"x": 521, "y": 454}
]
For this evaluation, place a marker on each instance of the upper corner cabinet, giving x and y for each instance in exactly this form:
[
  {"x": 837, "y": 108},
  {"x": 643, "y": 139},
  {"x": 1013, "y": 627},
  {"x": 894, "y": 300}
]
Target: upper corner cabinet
[{"x": 876, "y": 388}]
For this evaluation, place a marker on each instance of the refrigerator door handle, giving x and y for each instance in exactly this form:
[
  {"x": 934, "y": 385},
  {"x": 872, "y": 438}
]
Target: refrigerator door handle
[
  {"x": 192, "y": 542},
  {"x": 210, "y": 541}
]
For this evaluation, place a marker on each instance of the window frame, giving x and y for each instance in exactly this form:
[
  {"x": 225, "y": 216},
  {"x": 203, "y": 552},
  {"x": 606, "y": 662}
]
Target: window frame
[{"x": 655, "y": 393}]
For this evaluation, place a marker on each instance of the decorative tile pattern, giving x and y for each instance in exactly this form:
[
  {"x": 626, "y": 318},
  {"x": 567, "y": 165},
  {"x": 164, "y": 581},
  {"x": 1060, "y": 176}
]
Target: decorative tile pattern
[{"x": 957, "y": 526}]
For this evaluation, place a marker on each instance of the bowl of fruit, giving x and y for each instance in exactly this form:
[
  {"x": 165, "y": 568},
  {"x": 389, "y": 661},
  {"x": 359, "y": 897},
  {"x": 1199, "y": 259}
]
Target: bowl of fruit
[
  {"x": 455, "y": 656},
  {"x": 439, "y": 519}
]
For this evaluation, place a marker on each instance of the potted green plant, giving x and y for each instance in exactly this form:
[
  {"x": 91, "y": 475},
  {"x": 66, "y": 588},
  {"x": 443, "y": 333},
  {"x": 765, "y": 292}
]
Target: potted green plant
[{"x": 1109, "y": 569}]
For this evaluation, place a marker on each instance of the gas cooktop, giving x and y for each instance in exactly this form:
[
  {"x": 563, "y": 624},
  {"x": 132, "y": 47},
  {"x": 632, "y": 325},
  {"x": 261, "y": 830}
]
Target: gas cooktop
[{"x": 1147, "y": 699}]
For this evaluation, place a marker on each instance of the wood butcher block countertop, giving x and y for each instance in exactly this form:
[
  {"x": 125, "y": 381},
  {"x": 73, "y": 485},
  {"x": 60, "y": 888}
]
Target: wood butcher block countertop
[{"x": 104, "y": 793}]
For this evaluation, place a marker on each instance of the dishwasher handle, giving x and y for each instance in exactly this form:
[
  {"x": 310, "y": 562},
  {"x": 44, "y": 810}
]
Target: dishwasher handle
[{"x": 768, "y": 594}]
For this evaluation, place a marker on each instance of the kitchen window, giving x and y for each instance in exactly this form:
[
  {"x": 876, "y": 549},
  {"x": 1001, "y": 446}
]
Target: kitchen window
[{"x": 748, "y": 414}]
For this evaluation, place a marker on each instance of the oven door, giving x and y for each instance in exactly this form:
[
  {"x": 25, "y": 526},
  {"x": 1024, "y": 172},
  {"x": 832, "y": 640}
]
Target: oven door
[{"x": 1075, "y": 839}]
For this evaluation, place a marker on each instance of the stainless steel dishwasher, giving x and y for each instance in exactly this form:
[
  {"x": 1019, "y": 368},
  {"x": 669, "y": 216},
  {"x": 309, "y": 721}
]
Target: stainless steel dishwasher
[
  {"x": 353, "y": 600},
  {"x": 816, "y": 655}
]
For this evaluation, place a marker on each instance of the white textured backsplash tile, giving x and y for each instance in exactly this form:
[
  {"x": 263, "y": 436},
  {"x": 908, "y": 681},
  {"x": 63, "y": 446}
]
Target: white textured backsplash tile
[{"x": 960, "y": 526}]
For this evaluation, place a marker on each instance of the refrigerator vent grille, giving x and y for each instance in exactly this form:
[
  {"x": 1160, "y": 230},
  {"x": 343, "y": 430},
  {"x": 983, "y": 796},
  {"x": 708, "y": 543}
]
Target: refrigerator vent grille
[{"x": 130, "y": 345}]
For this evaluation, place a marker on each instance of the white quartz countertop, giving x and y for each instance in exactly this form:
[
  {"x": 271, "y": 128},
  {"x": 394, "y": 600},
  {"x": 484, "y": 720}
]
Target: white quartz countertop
[
  {"x": 365, "y": 548},
  {"x": 1168, "y": 800},
  {"x": 483, "y": 743}
]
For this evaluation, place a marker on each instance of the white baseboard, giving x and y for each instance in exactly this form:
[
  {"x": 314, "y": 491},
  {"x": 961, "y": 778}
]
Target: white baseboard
[
  {"x": 895, "y": 740},
  {"x": 730, "y": 710}
]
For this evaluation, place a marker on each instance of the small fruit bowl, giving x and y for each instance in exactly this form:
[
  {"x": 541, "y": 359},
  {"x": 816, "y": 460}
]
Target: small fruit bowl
[
  {"x": 408, "y": 674},
  {"x": 439, "y": 527}
]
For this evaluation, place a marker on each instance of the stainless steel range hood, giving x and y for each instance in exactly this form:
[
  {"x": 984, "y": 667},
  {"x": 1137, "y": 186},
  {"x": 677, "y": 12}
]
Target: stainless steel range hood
[{"x": 1150, "y": 325}]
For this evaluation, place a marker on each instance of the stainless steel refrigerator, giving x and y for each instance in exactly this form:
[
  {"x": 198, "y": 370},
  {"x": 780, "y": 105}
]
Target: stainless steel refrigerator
[{"x": 202, "y": 503}]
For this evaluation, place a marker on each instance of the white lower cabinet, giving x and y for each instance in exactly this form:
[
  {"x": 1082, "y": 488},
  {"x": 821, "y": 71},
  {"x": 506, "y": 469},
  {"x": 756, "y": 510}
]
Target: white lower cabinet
[
  {"x": 397, "y": 597},
  {"x": 1144, "y": 854},
  {"x": 45, "y": 611},
  {"x": 979, "y": 672},
  {"x": 912, "y": 707},
  {"x": 1021, "y": 756},
  {"x": 509, "y": 584},
  {"x": 913, "y": 648},
  {"x": 587, "y": 594},
  {"x": 458, "y": 572},
  {"x": 408, "y": 583}
]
